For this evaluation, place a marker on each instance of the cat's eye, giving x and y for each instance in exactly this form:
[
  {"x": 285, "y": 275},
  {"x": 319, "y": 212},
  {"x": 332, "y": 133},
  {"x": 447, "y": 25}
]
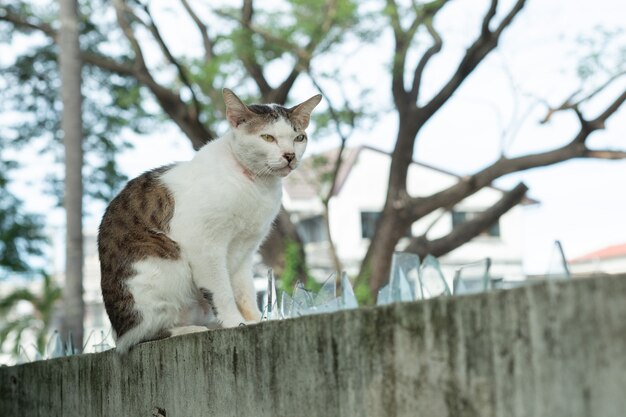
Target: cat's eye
[
  {"x": 268, "y": 138},
  {"x": 300, "y": 138}
]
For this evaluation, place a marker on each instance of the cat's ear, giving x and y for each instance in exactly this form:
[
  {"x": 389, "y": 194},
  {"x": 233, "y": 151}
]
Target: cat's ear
[
  {"x": 301, "y": 114},
  {"x": 236, "y": 112}
]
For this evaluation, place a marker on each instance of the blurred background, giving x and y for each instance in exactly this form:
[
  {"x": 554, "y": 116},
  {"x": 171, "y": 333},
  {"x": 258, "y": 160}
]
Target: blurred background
[{"x": 467, "y": 130}]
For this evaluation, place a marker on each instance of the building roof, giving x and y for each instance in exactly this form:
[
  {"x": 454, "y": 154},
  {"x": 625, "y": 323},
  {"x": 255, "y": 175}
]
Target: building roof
[
  {"x": 613, "y": 251},
  {"x": 304, "y": 183}
]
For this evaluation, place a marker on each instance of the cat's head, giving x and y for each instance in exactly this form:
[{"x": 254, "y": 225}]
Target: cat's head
[{"x": 268, "y": 139}]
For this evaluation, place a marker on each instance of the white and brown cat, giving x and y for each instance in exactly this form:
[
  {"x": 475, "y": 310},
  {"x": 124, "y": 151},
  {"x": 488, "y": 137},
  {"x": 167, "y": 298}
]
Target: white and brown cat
[{"x": 176, "y": 244}]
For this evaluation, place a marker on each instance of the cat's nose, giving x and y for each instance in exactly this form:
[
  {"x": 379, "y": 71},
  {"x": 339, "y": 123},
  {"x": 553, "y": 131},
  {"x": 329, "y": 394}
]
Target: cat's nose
[{"x": 289, "y": 156}]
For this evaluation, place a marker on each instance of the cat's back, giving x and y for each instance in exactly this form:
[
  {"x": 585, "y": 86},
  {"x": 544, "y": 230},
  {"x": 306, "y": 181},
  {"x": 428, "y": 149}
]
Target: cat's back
[{"x": 134, "y": 224}]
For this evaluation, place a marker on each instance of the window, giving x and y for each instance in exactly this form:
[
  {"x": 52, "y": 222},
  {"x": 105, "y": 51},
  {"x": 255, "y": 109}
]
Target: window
[
  {"x": 368, "y": 223},
  {"x": 459, "y": 217},
  {"x": 312, "y": 230}
]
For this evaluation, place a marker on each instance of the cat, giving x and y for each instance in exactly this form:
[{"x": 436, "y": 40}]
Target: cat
[{"x": 176, "y": 244}]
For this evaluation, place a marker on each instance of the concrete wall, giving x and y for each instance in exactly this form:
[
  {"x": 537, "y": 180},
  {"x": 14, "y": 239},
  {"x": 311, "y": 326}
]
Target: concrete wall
[{"x": 548, "y": 350}]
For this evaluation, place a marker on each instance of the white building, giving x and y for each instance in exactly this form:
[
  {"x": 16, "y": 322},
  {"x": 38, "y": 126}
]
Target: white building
[
  {"x": 359, "y": 198},
  {"x": 609, "y": 260}
]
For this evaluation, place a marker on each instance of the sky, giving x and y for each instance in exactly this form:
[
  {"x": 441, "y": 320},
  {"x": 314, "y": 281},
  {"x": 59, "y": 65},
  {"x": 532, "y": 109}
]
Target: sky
[{"x": 582, "y": 203}]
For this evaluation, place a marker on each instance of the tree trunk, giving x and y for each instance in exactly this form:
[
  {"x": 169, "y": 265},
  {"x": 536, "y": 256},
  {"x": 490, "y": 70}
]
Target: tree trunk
[
  {"x": 273, "y": 250},
  {"x": 332, "y": 249},
  {"x": 376, "y": 264},
  {"x": 392, "y": 224},
  {"x": 71, "y": 124}
]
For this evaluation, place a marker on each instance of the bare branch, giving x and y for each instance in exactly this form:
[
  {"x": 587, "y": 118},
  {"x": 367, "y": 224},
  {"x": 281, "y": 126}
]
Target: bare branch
[
  {"x": 470, "y": 229},
  {"x": 303, "y": 55},
  {"x": 434, "y": 49},
  {"x": 107, "y": 64},
  {"x": 399, "y": 57},
  {"x": 247, "y": 57},
  {"x": 572, "y": 103},
  {"x": 25, "y": 23},
  {"x": 204, "y": 31},
  {"x": 603, "y": 117},
  {"x": 576, "y": 148},
  {"x": 421, "y": 206},
  {"x": 605, "y": 154},
  {"x": 122, "y": 11},
  {"x": 394, "y": 18},
  {"x": 170, "y": 101},
  {"x": 493, "y": 7},
  {"x": 89, "y": 58},
  {"x": 486, "y": 42},
  {"x": 342, "y": 137},
  {"x": 182, "y": 72}
]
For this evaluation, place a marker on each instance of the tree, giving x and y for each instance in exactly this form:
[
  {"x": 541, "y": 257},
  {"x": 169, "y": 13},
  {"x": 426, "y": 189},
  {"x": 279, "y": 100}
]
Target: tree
[
  {"x": 243, "y": 46},
  {"x": 401, "y": 210},
  {"x": 72, "y": 127},
  {"x": 38, "y": 319},
  {"x": 21, "y": 234}
]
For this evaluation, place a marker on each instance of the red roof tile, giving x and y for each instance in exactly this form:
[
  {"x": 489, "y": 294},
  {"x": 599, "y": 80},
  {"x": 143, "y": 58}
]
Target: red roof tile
[{"x": 614, "y": 251}]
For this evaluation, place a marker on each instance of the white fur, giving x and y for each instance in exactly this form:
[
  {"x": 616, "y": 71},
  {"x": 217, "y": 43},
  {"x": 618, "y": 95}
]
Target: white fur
[{"x": 225, "y": 198}]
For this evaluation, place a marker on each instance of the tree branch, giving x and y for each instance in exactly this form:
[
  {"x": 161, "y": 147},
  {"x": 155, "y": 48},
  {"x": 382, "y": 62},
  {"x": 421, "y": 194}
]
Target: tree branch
[
  {"x": 204, "y": 31},
  {"x": 182, "y": 72},
  {"x": 609, "y": 154},
  {"x": 170, "y": 101},
  {"x": 470, "y": 229},
  {"x": 576, "y": 148},
  {"x": 248, "y": 59},
  {"x": 26, "y": 24},
  {"x": 434, "y": 49},
  {"x": 421, "y": 206},
  {"x": 571, "y": 103},
  {"x": 90, "y": 58},
  {"x": 600, "y": 121},
  {"x": 486, "y": 42},
  {"x": 303, "y": 55},
  {"x": 399, "y": 57}
]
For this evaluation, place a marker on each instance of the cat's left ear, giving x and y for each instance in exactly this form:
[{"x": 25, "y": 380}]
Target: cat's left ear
[
  {"x": 236, "y": 112},
  {"x": 301, "y": 114}
]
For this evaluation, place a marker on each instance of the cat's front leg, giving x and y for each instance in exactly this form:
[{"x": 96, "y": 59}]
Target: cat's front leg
[
  {"x": 210, "y": 275},
  {"x": 245, "y": 293}
]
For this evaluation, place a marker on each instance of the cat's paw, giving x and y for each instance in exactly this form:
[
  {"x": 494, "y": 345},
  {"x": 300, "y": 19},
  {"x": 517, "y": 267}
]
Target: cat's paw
[
  {"x": 253, "y": 316},
  {"x": 247, "y": 323},
  {"x": 233, "y": 322}
]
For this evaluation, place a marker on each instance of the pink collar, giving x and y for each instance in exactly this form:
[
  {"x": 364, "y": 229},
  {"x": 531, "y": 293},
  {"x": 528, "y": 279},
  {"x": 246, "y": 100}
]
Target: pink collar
[{"x": 246, "y": 172}]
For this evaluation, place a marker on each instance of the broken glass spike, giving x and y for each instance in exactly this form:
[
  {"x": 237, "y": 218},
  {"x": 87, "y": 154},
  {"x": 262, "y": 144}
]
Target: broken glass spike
[
  {"x": 69, "y": 346},
  {"x": 432, "y": 280},
  {"x": 384, "y": 296},
  {"x": 270, "y": 311},
  {"x": 57, "y": 346},
  {"x": 558, "y": 267},
  {"x": 302, "y": 301},
  {"x": 348, "y": 299},
  {"x": 103, "y": 345},
  {"x": 286, "y": 305},
  {"x": 328, "y": 292},
  {"x": 22, "y": 355},
  {"x": 326, "y": 300},
  {"x": 472, "y": 278},
  {"x": 404, "y": 277},
  {"x": 403, "y": 265}
]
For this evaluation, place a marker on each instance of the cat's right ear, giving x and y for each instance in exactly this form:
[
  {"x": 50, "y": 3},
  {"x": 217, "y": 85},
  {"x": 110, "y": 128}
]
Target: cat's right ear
[{"x": 236, "y": 112}]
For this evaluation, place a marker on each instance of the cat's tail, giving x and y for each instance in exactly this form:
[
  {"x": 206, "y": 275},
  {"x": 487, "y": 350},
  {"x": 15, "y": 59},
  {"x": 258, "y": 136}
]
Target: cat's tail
[
  {"x": 138, "y": 335},
  {"x": 128, "y": 340}
]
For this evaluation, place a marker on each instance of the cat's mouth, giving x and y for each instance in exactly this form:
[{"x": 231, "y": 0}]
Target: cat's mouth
[{"x": 283, "y": 171}]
